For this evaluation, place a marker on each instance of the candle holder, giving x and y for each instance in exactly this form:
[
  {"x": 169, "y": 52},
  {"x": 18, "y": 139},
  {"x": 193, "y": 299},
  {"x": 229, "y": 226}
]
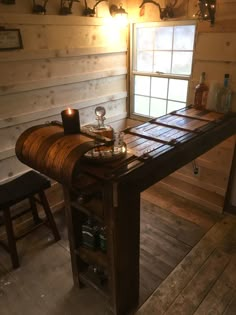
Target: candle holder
[{"x": 70, "y": 121}]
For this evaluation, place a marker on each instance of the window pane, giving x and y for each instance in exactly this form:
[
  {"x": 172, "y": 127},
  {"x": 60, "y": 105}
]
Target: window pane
[
  {"x": 157, "y": 107},
  {"x": 178, "y": 90},
  {"x": 171, "y": 106},
  {"x": 141, "y": 105},
  {"x": 163, "y": 38},
  {"x": 184, "y": 37},
  {"x": 162, "y": 61},
  {"x": 142, "y": 85},
  {"x": 145, "y": 38},
  {"x": 159, "y": 87},
  {"x": 182, "y": 63},
  {"x": 144, "y": 61},
  {"x": 167, "y": 49}
]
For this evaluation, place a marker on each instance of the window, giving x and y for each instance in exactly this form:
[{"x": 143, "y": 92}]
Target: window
[{"x": 161, "y": 67}]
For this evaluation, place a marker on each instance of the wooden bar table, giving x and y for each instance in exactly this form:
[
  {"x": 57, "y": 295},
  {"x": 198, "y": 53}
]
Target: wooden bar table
[{"x": 110, "y": 192}]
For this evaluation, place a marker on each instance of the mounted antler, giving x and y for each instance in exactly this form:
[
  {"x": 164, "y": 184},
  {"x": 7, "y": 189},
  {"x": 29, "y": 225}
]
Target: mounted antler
[
  {"x": 66, "y": 9},
  {"x": 166, "y": 12},
  {"x": 38, "y": 8},
  {"x": 88, "y": 11}
]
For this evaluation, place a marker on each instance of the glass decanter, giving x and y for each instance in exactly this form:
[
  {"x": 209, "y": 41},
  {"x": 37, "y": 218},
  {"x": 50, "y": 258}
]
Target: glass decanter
[{"x": 113, "y": 150}]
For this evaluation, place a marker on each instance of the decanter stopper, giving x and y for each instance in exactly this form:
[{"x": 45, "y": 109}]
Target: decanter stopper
[{"x": 100, "y": 113}]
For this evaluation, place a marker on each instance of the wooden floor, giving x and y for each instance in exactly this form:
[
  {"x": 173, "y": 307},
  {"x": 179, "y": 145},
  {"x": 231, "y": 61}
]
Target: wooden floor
[
  {"x": 204, "y": 283},
  {"x": 187, "y": 266}
]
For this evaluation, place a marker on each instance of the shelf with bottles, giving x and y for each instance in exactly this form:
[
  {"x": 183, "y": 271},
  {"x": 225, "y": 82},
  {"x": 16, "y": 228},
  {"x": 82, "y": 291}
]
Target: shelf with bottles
[
  {"x": 88, "y": 226},
  {"x": 93, "y": 238},
  {"x": 92, "y": 253}
]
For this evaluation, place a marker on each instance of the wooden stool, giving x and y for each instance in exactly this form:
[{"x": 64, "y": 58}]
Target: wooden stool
[{"x": 24, "y": 187}]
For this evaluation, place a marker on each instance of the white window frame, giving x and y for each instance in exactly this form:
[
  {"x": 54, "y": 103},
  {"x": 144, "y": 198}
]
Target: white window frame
[{"x": 152, "y": 74}]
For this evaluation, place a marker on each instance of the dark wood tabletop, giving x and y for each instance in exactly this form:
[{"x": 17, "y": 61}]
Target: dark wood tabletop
[{"x": 162, "y": 145}]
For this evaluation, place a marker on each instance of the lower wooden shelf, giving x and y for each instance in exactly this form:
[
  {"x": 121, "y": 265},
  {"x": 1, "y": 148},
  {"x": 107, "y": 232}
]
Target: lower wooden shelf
[
  {"x": 93, "y": 257},
  {"x": 98, "y": 282},
  {"x": 96, "y": 274},
  {"x": 91, "y": 208}
]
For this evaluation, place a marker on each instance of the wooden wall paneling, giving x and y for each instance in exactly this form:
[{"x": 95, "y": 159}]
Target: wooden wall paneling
[
  {"x": 34, "y": 74},
  {"x": 217, "y": 47},
  {"x": 216, "y": 55},
  {"x": 221, "y": 25},
  {"x": 25, "y": 6},
  {"x": 60, "y": 53},
  {"x": 15, "y": 104},
  {"x": 66, "y": 61},
  {"x": 210, "y": 185},
  {"x": 24, "y": 117},
  {"x": 72, "y": 36},
  {"x": 211, "y": 201},
  {"x": 59, "y": 36},
  {"x": 214, "y": 72},
  {"x": 9, "y": 135},
  {"x": 225, "y": 11},
  {"x": 210, "y": 180},
  {"x": 11, "y": 167},
  {"x": 220, "y": 157},
  {"x": 51, "y": 82},
  {"x": 116, "y": 112},
  {"x": 6, "y": 153},
  {"x": 49, "y": 19}
]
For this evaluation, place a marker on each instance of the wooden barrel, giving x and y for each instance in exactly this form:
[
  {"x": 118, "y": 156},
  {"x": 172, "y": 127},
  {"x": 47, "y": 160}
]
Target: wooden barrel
[{"x": 46, "y": 149}]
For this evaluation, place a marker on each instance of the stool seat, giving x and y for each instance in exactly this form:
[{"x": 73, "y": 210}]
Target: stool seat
[
  {"x": 21, "y": 187},
  {"x": 26, "y": 186}
]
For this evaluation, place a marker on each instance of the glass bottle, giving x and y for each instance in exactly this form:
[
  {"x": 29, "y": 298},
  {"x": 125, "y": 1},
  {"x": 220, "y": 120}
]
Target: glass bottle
[
  {"x": 112, "y": 147},
  {"x": 223, "y": 96},
  {"x": 103, "y": 239},
  {"x": 90, "y": 234},
  {"x": 102, "y": 129},
  {"x": 201, "y": 93}
]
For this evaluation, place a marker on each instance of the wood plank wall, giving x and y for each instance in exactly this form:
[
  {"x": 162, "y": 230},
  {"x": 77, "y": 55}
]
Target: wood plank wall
[
  {"x": 73, "y": 61},
  {"x": 215, "y": 53}
]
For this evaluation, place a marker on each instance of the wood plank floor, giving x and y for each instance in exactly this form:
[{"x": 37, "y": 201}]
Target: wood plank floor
[
  {"x": 187, "y": 266},
  {"x": 204, "y": 282}
]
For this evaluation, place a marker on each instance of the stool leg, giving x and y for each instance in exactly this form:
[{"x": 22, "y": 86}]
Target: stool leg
[
  {"x": 34, "y": 210},
  {"x": 11, "y": 238},
  {"x": 49, "y": 215}
]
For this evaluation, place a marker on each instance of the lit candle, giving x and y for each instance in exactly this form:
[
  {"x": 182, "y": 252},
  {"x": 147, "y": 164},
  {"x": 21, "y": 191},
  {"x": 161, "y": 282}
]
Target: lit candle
[{"x": 70, "y": 121}]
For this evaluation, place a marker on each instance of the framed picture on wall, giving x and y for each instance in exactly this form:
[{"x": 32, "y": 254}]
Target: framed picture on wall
[{"x": 10, "y": 39}]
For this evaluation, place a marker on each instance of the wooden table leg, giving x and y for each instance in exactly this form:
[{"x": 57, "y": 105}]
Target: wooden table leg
[
  {"x": 122, "y": 206},
  {"x": 72, "y": 236}
]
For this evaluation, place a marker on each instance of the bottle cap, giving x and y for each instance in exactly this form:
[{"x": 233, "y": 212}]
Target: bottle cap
[{"x": 226, "y": 75}]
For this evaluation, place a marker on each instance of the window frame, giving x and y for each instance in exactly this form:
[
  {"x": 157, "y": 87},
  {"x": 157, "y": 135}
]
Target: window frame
[{"x": 133, "y": 57}]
